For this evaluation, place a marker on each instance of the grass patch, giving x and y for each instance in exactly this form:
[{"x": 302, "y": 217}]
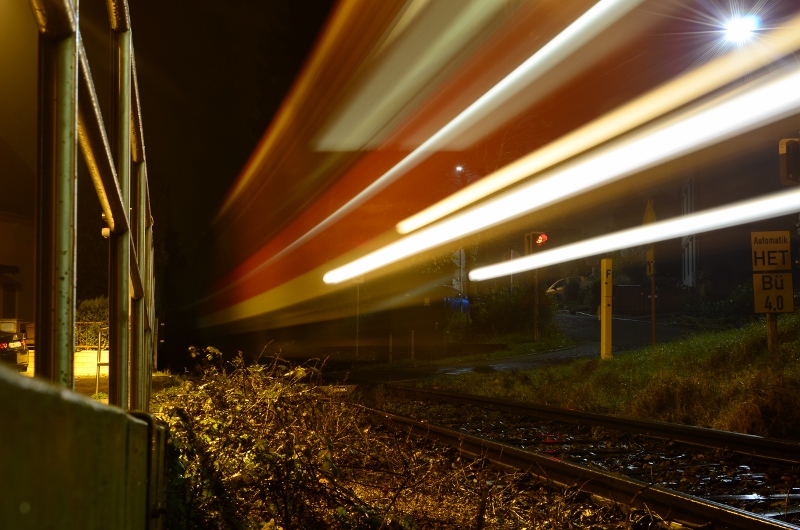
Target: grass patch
[
  {"x": 724, "y": 380},
  {"x": 100, "y": 396},
  {"x": 508, "y": 346}
]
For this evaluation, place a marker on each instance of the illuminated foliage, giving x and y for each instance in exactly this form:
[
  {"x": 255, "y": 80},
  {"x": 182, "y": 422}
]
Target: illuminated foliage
[{"x": 263, "y": 446}]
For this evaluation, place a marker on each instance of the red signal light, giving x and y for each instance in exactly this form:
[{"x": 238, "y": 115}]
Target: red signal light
[{"x": 534, "y": 241}]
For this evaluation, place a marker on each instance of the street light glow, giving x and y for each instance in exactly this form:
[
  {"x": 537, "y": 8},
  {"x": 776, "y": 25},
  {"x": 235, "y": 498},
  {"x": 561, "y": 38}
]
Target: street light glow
[{"x": 741, "y": 29}]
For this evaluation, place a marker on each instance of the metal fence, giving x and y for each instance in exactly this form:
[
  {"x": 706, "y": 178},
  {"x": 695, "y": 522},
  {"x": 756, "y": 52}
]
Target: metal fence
[
  {"x": 87, "y": 336},
  {"x": 69, "y": 117}
]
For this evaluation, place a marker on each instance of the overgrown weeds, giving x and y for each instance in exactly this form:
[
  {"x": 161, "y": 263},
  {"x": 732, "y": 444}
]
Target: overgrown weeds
[
  {"x": 725, "y": 380},
  {"x": 263, "y": 446}
]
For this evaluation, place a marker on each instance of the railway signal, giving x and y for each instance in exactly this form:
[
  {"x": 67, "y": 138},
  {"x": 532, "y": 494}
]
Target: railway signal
[{"x": 534, "y": 242}]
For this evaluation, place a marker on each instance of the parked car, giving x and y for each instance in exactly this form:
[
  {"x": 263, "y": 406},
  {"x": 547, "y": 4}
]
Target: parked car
[
  {"x": 13, "y": 350},
  {"x": 457, "y": 302},
  {"x": 561, "y": 284}
]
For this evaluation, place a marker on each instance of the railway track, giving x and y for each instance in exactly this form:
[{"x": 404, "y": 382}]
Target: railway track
[{"x": 695, "y": 477}]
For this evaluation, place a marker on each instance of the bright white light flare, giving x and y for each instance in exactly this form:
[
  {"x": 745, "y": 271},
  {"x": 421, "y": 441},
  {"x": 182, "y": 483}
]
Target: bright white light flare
[
  {"x": 775, "y": 205},
  {"x": 688, "y": 131},
  {"x": 741, "y": 29}
]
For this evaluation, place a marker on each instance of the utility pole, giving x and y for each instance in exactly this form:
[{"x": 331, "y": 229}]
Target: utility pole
[{"x": 533, "y": 242}]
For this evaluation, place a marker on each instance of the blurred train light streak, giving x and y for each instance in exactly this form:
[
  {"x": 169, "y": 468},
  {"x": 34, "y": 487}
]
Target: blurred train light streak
[
  {"x": 664, "y": 99},
  {"x": 688, "y": 131},
  {"x": 423, "y": 47},
  {"x": 775, "y": 205},
  {"x": 577, "y": 34}
]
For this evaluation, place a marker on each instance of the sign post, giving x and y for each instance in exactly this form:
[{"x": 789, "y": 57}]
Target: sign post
[
  {"x": 534, "y": 240},
  {"x": 772, "y": 278},
  {"x": 358, "y": 280},
  {"x": 459, "y": 258},
  {"x": 650, "y": 217},
  {"x": 605, "y": 308}
]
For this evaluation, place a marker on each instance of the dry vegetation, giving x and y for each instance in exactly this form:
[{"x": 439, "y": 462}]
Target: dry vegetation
[{"x": 263, "y": 446}]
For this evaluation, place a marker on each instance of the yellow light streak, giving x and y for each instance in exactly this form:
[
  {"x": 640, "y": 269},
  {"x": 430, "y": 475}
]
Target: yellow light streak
[
  {"x": 664, "y": 99},
  {"x": 688, "y": 131},
  {"x": 774, "y": 205}
]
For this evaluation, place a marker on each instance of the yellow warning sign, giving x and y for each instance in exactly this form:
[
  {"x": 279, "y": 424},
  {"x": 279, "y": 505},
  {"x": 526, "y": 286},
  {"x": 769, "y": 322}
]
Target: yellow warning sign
[
  {"x": 772, "y": 271},
  {"x": 773, "y": 293},
  {"x": 772, "y": 251}
]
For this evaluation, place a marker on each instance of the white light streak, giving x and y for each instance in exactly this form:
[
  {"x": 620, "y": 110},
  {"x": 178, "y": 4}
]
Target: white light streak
[
  {"x": 775, "y": 205},
  {"x": 664, "y": 99},
  {"x": 687, "y": 132}
]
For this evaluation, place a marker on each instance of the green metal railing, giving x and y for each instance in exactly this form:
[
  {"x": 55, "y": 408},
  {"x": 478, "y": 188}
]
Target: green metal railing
[{"x": 69, "y": 116}]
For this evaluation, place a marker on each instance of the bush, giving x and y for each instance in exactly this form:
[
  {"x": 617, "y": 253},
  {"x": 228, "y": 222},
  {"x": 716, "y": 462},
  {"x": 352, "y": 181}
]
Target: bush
[
  {"x": 733, "y": 310},
  {"x": 510, "y": 310},
  {"x": 90, "y": 316},
  {"x": 92, "y": 310}
]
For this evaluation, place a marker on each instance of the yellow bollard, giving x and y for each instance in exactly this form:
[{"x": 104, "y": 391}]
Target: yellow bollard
[{"x": 605, "y": 308}]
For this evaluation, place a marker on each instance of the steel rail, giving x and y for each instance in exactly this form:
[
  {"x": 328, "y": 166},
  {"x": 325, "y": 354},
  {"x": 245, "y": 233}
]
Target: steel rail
[
  {"x": 668, "y": 504},
  {"x": 751, "y": 445}
]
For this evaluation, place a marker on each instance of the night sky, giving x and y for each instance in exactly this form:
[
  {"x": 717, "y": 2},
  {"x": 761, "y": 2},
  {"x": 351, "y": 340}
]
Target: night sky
[{"x": 211, "y": 78}]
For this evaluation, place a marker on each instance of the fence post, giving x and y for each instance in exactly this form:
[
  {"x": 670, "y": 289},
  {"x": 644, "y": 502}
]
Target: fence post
[
  {"x": 57, "y": 176},
  {"x": 119, "y": 267},
  {"x": 99, "y": 363}
]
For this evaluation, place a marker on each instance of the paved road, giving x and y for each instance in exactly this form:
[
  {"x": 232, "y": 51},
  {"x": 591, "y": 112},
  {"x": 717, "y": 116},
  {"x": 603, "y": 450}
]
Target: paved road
[{"x": 627, "y": 334}]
